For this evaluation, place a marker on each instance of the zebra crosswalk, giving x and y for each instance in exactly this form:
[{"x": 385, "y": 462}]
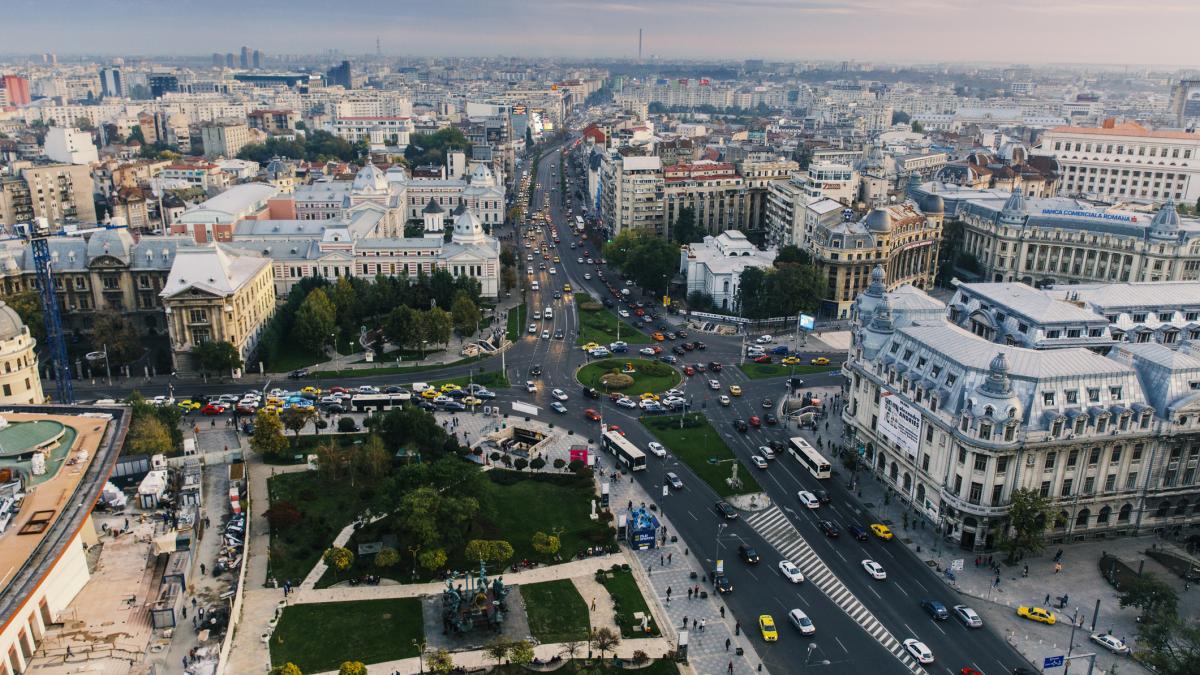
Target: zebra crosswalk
[{"x": 773, "y": 525}]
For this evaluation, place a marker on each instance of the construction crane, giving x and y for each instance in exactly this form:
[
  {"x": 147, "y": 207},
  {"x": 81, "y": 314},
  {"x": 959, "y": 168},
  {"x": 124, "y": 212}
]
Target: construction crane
[{"x": 39, "y": 233}]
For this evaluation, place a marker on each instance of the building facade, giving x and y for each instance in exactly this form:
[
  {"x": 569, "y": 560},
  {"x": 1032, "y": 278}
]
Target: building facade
[
  {"x": 20, "y": 383},
  {"x": 60, "y": 193},
  {"x": 714, "y": 267},
  {"x": 631, "y": 195},
  {"x": 224, "y": 139}
]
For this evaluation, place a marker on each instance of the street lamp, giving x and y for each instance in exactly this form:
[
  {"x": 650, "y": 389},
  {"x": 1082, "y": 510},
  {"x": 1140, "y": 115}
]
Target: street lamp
[{"x": 812, "y": 647}]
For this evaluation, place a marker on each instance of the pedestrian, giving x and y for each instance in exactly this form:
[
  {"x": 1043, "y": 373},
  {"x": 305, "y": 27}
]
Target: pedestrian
[
  {"x": 185, "y": 664},
  {"x": 727, "y": 643},
  {"x": 689, "y": 594},
  {"x": 593, "y": 604},
  {"x": 1025, "y": 572},
  {"x": 201, "y": 569},
  {"x": 662, "y": 559},
  {"x": 1058, "y": 556},
  {"x": 185, "y": 611},
  {"x": 694, "y": 624},
  {"x": 722, "y": 611},
  {"x": 697, "y": 590},
  {"x": 669, "y": 556},
  {"x": 685, "y": 624},
  {"x": 1057, "y": 567},
  {"x": 193, "y": 621},
  {"x": 1047, "y": 600},
  {"x": 737, "y": 627},
  {"x": 193, "y": 603},
  {"x": 69, "y": 651},
  {"x": 126, "y": 523},
  {"x": 703, "y": 623},
  {"x": 730, "y": 665}
]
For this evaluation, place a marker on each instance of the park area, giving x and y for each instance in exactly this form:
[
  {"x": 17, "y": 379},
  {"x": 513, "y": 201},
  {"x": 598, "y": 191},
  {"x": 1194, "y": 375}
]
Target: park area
[
  {"x": 648, "y": 375},
  {"x": 599, "y": 325},
  {"x": 517, "y": 505},
  {"x": 556, "y": 611},
  {"x": 697, "y": 444},
  {"x": 319, "y": 637},
  {"x": 762, "y": 371},
  {"x": 627, "y": 601}
]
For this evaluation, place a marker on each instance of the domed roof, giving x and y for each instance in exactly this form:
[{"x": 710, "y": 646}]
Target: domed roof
[
  {"x": 10, "y": 322},
  {"x": 1166, "y": 221},
  {"x": 278, "y": 168},
  {"x": 370, "y": 179},
  {"x": 433, "y": 207},
  {"x": 879, "y": 220},
  {"x": 482, "y": 175},
  {"x": 933, "y": 203},
  {"x": 1014, "y": 207},
  {"x": 115, "y": 243}
]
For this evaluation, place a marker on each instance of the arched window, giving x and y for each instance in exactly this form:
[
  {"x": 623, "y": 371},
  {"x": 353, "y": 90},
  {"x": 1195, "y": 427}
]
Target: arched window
[
  {"x": 921, "y": 494},
  {"x": 1061, "y": 521},
  {"x": 895, "y": 470},
  {"x": 1181, "y": 509},
  {"x": 1105, "y": 513},
  {"x": 1081, "y": 519},
  {"x": 1123, "y": 514},
  {"x": 907, "y": 481},
  {"x": 882, "y": 460},
  {"x": 1163, "y": 508}
]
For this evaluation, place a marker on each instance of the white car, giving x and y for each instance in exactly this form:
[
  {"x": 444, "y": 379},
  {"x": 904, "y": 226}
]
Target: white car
[
  {"x": 874, "y": 569},
  {"x": 624, "y": 314},
  {"x": 545, "y": 335},
  {"x": 419, "y": 387},
  {"x": 162, "y": 400},
  {"x": 766, "y": 451},
  {"x": 919, "y": 651},
  {"x": 674, "y": 401},
  {"x": 758, "y": 461},
  {"x": 587, "y": 276},
  {"x": 619, "y": 344},
  {"x": 442, "y": 399},
  {"x": 1110, "y": 643},
  {"x": 646, "y": 351},
  {"x": 763, "y": 339},
  {"x": 626, "y": 402},
  {"x": 553, "y": 270},
  {"x": 790, "y": 571},
  {"x": 657, "y": 449},
  {"x": 533, "y": 329},
  {"x": 808, "y": 499},
  {"x": 967, "y": 616},
  {"x": 674, "y": 481},
  {"x": 676, "y": 393},
  {"x": 724, "y": 400},
  {"x": 801, "y": 621},
  {"x": 558, "y": 407},
  {"x": 531, "y": 386},
  {"x": 368, "y": 389},
  {"x": 559, "y": 394},
  {"x": 647, "y": 403},
  {"x": 715, "y": 385},
  {"x": 579, "y": 260},
  {"x": 599, "y": 352}
]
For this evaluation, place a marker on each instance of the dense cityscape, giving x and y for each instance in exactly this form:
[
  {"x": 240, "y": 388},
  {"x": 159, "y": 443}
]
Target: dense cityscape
[{"x": 362, "y": 361}]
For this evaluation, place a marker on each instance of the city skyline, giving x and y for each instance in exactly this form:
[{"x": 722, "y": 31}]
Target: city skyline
[{"x": 923, "y": 31}]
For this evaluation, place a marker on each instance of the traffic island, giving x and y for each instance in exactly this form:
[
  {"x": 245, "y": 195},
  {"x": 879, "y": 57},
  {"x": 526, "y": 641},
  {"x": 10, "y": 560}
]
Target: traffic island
[
  {"x": 630, "y": 376},
  {"x": 696, "y": 443}
]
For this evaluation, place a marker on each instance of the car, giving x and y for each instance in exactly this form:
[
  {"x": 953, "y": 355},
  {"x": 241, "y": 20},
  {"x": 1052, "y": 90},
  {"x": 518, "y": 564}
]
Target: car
[
  {"x": 658, "y": 337},
  {"x": 188, "y": 405},
  {"x": 449, "y": 387},
  {"x": 673, "y": 393},
  {"x": 721, "y": 582},
  {"x": 874, "y": 569},
  {"x": 829, "y": 527},
  {"x": 765, "y": 358},
  {"x": 768, "y": 403},
  {"x": 531, "y": 386},
  {"x": 558, "y": 407},
  {"x": 801, "y": 621},
  {"x": 649, "y": 396},
  {"x": 740, "y": 425},
  {"x": 715, "y": 385},
  {"x": 618, "y": 347},
  {"x": 792, "y": 573},
  {"x": 935, "y": 610},
  {"x": 771, "y": 419},
  {"x": 626, "y": 402},
  {"x": 753, "y": 351},
  {"x": 624, "y": 314},
  {"x": 882, "y": 531},
  {"x": 725, "y": 510},
  {"x": 724, "y": 400},
  {"x": 591, "y": 415},
  {"x": 808, "y": 499},
  {"x": 533, "y": 329},
  {"x": 1110, "y": 643},
  {"x": 647, "y": 351},
  {"x": 454, "y": 406},
  {"x": 857, "y": 531},
  {"x": 748, "y": 554},
  {"x": 674, "y": 481},
  {"x": 251, "y": 407},
  {"x": 766, "y": 452},
  {"x": 471, "y": 400},
  {"x": 442, "y": 399},
  {"x": 819, "y": 361},
  {"x": 763, "y": 339},
  {"x": 689, "y": 371},
  {"x": 234, "y": 398},
  {"x": 657, "y": 449},
  {"x": 918, "y": 650},
  {"x": 779, "y": 350},
  {"x": 967, "y": 616},
  {"x": 790, "y": 360},
  {"x": 591, "y": 393},
  {"x": 599, "y": 352},
  {"x": 212, "y": 409},
  {"x": 735, "y": 390},
  {"x": 766, "y": 625},
  {"x": 545, "y": 335},
  {"x": 822, "y": 496},
  {"x": 1038, "y": 614},
  {"x": 559, "y": 394},
  {"x": 758, "y": 461},
  {"x": 715, "y": 367},
  {"x": 298, "y": 374},
  {"x": 755, "y": 421},
  {"x": 558, "y": 334}
]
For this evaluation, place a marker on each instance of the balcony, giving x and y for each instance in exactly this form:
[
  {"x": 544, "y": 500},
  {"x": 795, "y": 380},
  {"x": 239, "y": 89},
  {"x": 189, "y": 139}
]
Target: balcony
[{"x": 965, "y": 506}]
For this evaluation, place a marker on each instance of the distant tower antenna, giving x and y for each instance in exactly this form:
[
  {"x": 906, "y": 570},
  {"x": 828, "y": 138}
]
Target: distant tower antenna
[
  {"x": 639, "y": 44},
  {"x": 378, "y": 49}
]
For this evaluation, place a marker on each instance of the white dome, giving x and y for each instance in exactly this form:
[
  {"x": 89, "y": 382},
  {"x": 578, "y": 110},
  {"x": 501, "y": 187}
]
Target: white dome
[{"x": 370, "y": 179}]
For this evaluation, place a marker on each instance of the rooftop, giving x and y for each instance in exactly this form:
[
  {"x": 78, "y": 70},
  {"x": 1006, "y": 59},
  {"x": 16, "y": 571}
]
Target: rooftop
[
  {"x": 1038, "y": 306},
  {"x": 1133, "y": 295}
]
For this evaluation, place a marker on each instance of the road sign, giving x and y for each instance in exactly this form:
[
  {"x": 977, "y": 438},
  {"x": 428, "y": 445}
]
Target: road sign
[
  {"x": 957, "y": 565},
  {"x": 1053, "y": 662}
]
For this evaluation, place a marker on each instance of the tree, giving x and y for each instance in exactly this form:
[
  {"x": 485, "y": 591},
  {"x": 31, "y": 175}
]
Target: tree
[
  {"x": 508, "y": 277},
  {"x": 917, "y": 127},
  {"x": 559, "y": 463},
  {"x": 436, "y": 326},
  {"x": 604, "y": 639},
  {"x": 1150, "y": 594},
  {"x": 752, "y": 286},
  {"x": 699, "y": 301},
  {"x": 149, "y": 436},
  {"x": 288, "y": 668},
  {"x": 646, "y": 259},
  {"x": 1027, "y": 518},
  {"x": 521, "y": 463},
  {"x": 352, "y": 668},
  {"x": 546, "y": 544},
  {"x": 28, "y": 306},
  {"x": 268, "y": 439},
  {"x": 135, "y": 134},
  {"x": 520, "y": 652},
  {"x": 464, "y": 313},
  {"x": 500, "y": 551},
  {"x": 216, "y": 356},
  {"x": 684, "y": 230},
  {"x": 294, "y": 419},
  {"x": 1173, "y": 645},
  {"x": 315, "y": 321},
  {"x": 339, "y": 558},
  {"x": 116, "y": 333},
  {"x": 440, "y": 662},
  {"x": 537, "y": 464},
  {"x": 283, "y": 515},
  {"x": 433, "y": 559},
  {"x": 387, "y": 557},
  {"x": 346, "y": 425},
  {"x": 401, "y": 327},
  {"x": 498, "y": 649},
  {"x": 792, "y": 254},
  {"x": 570, "y": 648}
]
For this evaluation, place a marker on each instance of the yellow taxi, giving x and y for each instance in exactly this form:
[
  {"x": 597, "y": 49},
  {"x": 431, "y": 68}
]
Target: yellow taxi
[
  {"x": 790, "y": 360},
  {"x": 311, "y": 390},
  {"x": 766, "y": 625},
  {"x": 735, "y": 390},
  {"x": 1038, "y": 614},
  {"x": 449, "y": 387},
  {"x": 882, "y": 531},
  {"x": 270, "y": 409},
  {"x": 430, "y": 394},
  {"x": 566, "y": 288},
  {"x": 556, "y": 259},
  {"x": 189, "y": 405},
  {"x": 649, "y": 396},
  {"x": 590, "y": 346},
  {"x": 659, "y": 337},
  {"x": 471, "y": 400},
  {"x": 820, "y": 361}
]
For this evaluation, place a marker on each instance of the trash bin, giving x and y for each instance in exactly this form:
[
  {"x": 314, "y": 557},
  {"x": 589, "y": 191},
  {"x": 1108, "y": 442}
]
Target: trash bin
[{"x": 740, "y": 651}]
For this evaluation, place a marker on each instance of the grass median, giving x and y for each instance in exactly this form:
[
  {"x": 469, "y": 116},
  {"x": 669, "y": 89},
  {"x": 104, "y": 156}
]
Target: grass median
[
  {"x": 599, "y": 325},
  {"x": 516, "y": 322},
  {"x": 699, "y": 446},
  {"x": 762, "y": 371}
]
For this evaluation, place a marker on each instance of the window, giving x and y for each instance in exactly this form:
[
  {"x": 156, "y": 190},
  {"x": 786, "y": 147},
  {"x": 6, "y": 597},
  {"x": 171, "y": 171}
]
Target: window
[
  {"x": 1114, "y": 393},
  {"x": 950, "y": 379},
  {"x": 1072, "y": 396},
  {"x": 1093, "y": 395},
  {"x": 976, "y": 493},
  {"x": 997, "y": 490},
  {"x": 1053, "y": 334},
  {"x": 1131, "y": 480},
  {"x": 1051, "y": 457},
  {"x": 957, "y": 485},
  {"x": 1072, "y": 459},
  {"x": 198, "y": 316},
  {"x": 1066, "y": 487},
  {"x": 1048, "y": 398},
  {"x": 1045, "y": 489},
  {"x": 985, "y": 430},
  {"x": 1166, "y": 317},
  {"x": 1089, "y": 485},
  {"x": 8, "y": 390},
  {"x": 962, "y": 455},
  {"x": 981, "y": 462},
  {"x": 1115, "y": 456},
  {"x": 1110, "y": 483},
  {"x": 1137, "y": 453}
]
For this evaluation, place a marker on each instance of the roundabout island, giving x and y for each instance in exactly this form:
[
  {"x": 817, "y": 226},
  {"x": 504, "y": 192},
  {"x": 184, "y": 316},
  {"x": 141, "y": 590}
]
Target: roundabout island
[{"x": 628, "y": 376}]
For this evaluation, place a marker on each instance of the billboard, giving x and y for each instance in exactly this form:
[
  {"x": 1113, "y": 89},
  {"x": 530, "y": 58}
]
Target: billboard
[
  {"x": 807, "y": 322},
  {"x": 899, "y": 422}
]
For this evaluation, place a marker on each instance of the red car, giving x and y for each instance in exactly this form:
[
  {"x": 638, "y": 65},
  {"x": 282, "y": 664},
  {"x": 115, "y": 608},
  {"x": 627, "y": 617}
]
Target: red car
[
  {"x": 689, "y": 371},
  {"x": 657, "y": 349},
  {"x": 755, "y": 421},
  {"x": 639, "y": 311},
  {"x": 212, "y": 409},
  {"x": 765, "y": 358},
  {"x": 613, "y": 427},
  {"x": 338, "y": 390},
  {"x": 591, "y": 415}
]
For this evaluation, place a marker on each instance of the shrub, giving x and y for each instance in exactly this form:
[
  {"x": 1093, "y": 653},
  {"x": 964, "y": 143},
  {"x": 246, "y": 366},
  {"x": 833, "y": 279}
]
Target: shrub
[
  {"x": 283, "y": 515},
  {"x": 346, "y": 424}
]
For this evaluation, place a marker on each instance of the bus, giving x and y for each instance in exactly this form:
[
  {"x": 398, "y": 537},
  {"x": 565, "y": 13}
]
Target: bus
[
  {"x": 625, "y": 451},
  {"x": 579, "y": 223},
  {"x": 378, "y": 402},
  {"x": 807, "y": 455}
]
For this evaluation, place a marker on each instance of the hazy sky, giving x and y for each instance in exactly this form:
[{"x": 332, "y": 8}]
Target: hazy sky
[{"x": 1023, "y": 31}]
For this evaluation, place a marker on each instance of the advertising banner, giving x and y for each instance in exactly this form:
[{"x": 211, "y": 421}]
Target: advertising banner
[{"x": 899, "y": 422}]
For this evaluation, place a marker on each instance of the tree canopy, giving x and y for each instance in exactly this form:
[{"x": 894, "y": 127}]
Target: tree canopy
[
  {"x": 316, "y": 146},
  {"x": 432, "y": 148},
  {"x": 783, "y": 291},
  {"x": 648, "y": 260}
]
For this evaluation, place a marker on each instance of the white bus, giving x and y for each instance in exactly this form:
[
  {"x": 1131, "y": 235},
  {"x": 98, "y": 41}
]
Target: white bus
[
  {"x": 807, "y": 455},
  {"x": 579, "y": 223},
  {"x": 625, "y": 451},
  {"x": 378, "y": 402}
]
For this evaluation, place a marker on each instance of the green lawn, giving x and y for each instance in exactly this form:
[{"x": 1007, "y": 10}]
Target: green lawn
[
  {"x": 561, "y": 503},
  {"x": 516, "y": 322},
  {"x": 627, "y": 600},
  {"x": 760, "y": 371},
  {"x": 600, "y": 325},
  {"x": 659, "y": 667},
  {"x": 556, "y": 611},
  {"x": 307, "y": 443},
  {"x": 653, "y": 376},
  {"x": 695, "y": 444},
  {"x": 319, "y": 637},
  {"x": 325, "y": 511},
  {"x": 490, "y": 379},
  {"x": 388, "y": 370},
  {"x": 293, "y": 357}
]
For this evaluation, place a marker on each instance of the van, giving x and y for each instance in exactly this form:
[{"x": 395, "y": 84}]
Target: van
[
  {"x": 535, "y": 286},
  {"x": 548, "y": 313},
  {"x": 420, "y": 386}
]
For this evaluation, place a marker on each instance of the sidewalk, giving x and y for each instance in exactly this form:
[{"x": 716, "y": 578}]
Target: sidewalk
[
  {"x": 707, "y": 653},
  {"x": 997, "y": 595}
]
